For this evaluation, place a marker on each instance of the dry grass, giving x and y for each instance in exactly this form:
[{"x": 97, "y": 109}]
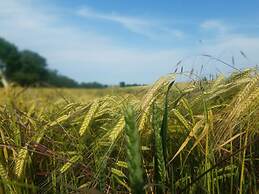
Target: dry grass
[{"x": 200, "y": 138}]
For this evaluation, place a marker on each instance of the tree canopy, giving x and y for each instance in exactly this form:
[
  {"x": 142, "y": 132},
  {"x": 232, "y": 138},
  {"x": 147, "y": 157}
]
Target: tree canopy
[{"x": 28, "y": 68}]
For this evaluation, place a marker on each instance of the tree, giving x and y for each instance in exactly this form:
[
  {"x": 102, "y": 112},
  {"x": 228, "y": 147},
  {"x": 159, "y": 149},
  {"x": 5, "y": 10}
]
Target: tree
[
  {"x": 92, "y": 85},
  {"x": 10, "y": 57},
  {"x": 54, "y": 79},
  {"x": 33, "y": 69},
  {"x": 122, "y": 84}
]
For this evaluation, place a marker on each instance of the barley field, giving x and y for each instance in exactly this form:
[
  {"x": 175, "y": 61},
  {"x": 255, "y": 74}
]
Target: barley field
[{"x": 197, "y": 137}]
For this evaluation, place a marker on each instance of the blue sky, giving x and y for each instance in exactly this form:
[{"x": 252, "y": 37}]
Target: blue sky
[{"x": 133, "y": 41}]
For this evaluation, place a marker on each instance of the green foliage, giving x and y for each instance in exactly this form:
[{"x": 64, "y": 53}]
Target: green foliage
[
  {"x": 33, "y": 69},
  {"x": 9, "y": 54},
  {"x": 57, "y": 80}
]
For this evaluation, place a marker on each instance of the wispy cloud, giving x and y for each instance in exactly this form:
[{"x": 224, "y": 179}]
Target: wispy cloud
[
  {"x": 215, "y": 25},
  {"x": 83, "y": 54},
  {"x": 148, "y": 28}
]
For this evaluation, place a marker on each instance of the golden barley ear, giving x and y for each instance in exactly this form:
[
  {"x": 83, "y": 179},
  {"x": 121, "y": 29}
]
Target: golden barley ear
[
  {"x": 154, "y": 92},
  {"x": 89, "y": 117},
  {"x": 70, "y": 163},
  {"x": 20, "y": 161},
  {"x": 3, "y": 172}
]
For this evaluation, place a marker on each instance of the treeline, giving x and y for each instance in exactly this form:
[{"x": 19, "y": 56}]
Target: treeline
[
  {"x": 123, "y": 84},
  {"x": 28, "y": 68}
]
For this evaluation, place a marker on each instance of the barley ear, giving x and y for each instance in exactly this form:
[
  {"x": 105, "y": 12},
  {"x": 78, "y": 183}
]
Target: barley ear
[
  {"x": 89, "y": 118},
  {"x": 133, "y": 152},
  {"x": 159, "y": 162}
]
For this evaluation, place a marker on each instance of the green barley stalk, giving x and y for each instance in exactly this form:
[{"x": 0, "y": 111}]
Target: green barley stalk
[
  {"x": 242, "y": 176},
  {"x": 163, "y": 134},
  {"x": 133, "y": 152},
  {"x": 164, "y": 126},
  {"x": 159, "y": 166}
]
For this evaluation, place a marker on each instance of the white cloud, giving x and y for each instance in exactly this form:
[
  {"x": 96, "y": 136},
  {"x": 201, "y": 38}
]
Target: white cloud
[
  {"x": 148, "y": 28},
  {"x": 81, "y": 54},
  {"x": 217, "y": 25}
]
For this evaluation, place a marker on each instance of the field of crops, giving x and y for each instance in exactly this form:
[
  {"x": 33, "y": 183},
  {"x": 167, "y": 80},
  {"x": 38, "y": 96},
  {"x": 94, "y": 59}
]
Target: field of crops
[{"x": 200, "y": 138}]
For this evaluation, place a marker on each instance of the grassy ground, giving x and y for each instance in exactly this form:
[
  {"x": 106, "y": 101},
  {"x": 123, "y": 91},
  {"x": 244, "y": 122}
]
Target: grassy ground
[
  {"x": 198, "y": 138},
  {"x": 78, "y": 95}
]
